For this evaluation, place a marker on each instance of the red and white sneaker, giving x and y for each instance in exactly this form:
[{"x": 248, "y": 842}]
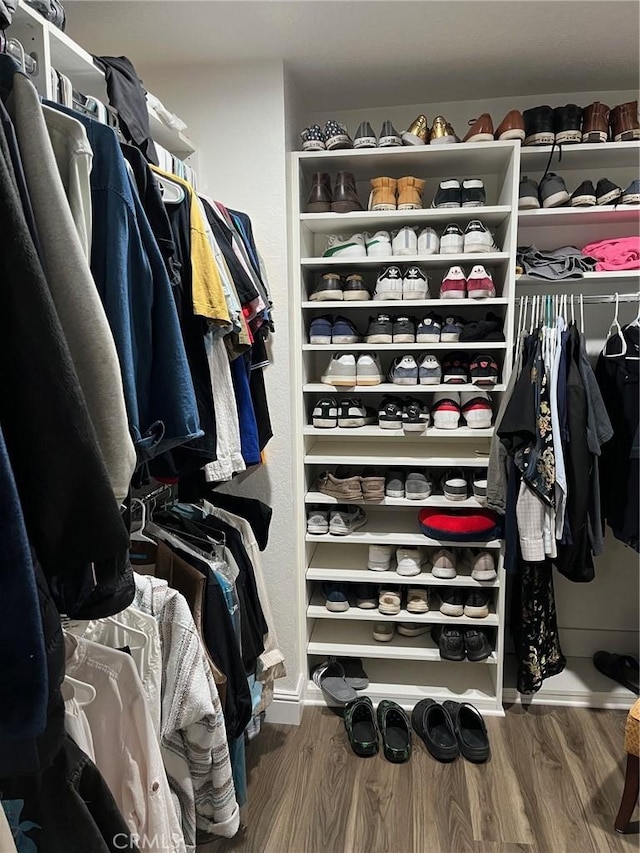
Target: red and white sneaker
[
  {"x": 476, "y": 409},
  {"x": 454, "y": 284},
  {"x": 480, "y": 283},
  {"x": 445, "y": 410}
]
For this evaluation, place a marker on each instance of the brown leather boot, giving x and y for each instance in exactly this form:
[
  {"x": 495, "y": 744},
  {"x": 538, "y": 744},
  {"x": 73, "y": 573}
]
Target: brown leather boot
[
  {"x": 410, "y": 193},
  {"x": 345, "y": 194},
  {"x": 383, "y": 194},
  {"x": 624, "y": 122},
  {"x": 320, "y": 198},
  {"x": 595, "y": 123}
]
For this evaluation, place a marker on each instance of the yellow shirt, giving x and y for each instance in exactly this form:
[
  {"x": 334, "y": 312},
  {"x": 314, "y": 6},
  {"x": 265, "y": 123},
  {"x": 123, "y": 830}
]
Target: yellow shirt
[{"x": 208, "y": 294}]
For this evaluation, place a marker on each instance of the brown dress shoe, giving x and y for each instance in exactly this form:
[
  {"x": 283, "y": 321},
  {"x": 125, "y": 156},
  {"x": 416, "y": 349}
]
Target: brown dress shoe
[
  {"x": 511, "y": 126},
  {"x": 383, "y": 194},
  {"x": 624, "y": 122},
  {"x": 345, "y": 194},
  {"x": 480, "y": 129},
  {"x": 595, "y": 123},
  {"x": 320, "y": 198}
]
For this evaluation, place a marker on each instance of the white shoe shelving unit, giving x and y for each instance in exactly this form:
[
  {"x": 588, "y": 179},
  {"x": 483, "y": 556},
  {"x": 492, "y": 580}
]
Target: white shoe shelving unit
[{"x": 406, "y": 668}]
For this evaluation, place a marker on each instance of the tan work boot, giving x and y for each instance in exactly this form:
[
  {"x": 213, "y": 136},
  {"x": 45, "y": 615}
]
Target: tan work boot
[
  {"x": 383, "y": 194},
  {"x": 410, "y": 193}
]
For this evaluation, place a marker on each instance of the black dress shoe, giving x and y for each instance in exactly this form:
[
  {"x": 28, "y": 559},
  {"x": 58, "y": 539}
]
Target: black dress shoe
[
  {"x": 433, "y": 725},
  {"x": 470, "y": 731},
  {"x": 360, "y": 725},
  {"x": 395, "y": 731}
]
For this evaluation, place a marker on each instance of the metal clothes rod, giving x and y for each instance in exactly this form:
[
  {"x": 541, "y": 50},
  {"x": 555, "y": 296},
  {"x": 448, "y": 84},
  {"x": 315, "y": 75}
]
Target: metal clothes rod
[{"x": 586, "y": 300}]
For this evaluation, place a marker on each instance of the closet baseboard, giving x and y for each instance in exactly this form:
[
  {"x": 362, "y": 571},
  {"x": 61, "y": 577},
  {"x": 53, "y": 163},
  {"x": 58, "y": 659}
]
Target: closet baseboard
[{"x": 287, "y": 706}]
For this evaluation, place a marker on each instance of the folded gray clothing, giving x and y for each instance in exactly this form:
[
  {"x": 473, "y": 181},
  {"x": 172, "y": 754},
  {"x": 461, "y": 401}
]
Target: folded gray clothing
[{"x": 556, "y": 264}]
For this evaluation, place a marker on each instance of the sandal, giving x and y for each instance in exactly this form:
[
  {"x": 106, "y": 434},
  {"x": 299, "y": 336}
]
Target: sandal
[
  {"x": 354, "y": 673},
  {"x": 330, "y": 678},
  {"x": 360, "y": 725},
  {"x": 621, "y": 668},
  {"x": 470, "y": 730},
  {"x": 433, "y": 725}
]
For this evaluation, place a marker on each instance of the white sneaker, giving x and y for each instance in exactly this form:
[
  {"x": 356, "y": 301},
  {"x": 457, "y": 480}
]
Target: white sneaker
[
  {"x": 389, "y": 602},
  {"x": 418, "y": 599},
  {"x": 380, "y": 558},
  {"x": 378, "y": 245},
  {"x": 428, "y": 242},
  {"x": 369, "y": 369},
  {"x": 346, "y": 520},
  {"x": 318, "y": 521},
  {"x": 341, "y": 370},
  {"x": 345, "y": 247},
  {"x": 405, "y": 241},
  {"x": 476, "y": 408},
  {"x": 444, "y": 564},
  {"x": 452, "y": 240},
  {"x": 478, "y": 238},
  {"x": 483, "y": 566},
  {"x": 409, "y": 561},
  {"x": 415, "y": 284},
  {"x": 389, "y": 284}
]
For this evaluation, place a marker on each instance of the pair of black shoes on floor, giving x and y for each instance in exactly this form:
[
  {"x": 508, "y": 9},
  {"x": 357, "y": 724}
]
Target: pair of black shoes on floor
[{"x": 450, "y": 730}]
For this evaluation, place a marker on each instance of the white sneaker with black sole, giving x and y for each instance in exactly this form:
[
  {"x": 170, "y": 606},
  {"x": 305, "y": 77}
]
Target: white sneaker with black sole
[
  {"x": 389, "y": 284},
  {"x": 478, "y": 238}
]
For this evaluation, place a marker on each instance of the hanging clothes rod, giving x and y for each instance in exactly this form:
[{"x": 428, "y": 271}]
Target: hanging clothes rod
[{"x": 587, "y": 300}]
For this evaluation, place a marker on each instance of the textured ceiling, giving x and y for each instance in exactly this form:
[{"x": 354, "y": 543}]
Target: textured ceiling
[{"x": 360, "y": 53}]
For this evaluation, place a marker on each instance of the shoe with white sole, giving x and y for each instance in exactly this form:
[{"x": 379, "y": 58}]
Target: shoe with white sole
[
  {"x": 336, "y": 136},
  {"x": 476, "y": 408},
  {"x": 325, "y": 413},
  {"x": 483, "y": 370},
  {"x": 318, "y": 522},
  {"x": 344, "y": 332},
  {"x": 341, "y": 370},
  {"x": 335, "y": 596},
  {"x": 444, "y": 564},
  {"x": 379, "y": 559},
  {"x": 415, "y": 416},
  {"x": 455, "y": 368},
  {"x": 480, "y": 283},
  {"x": 418, "y": 485},
  {"x": 448, "y": 195},
  {"x": 483, "y": 566},
  {"x": 455, "y": 486},
  {"x": 369, "y": 370},
  {"x": 529, "y": 196},
  {"x": 478, "y": 238},
  {"x": 378, "y": 245},
  {"x": 429, "y": 330},
  {"x": 418, "y": 599},
  {"x": 404, "y": 371},
  {"x": 454, "y": 284},
  {"x": 389, "y": 284},
  {"x": 409, "y": 561},
  {"x": 389, "y": 601},
  {"x": 405, "y": 241},
  {"x": 389, "y": 136},
  {"x": 451, "y": 330},
  {"x": 313, "y": 138},
  {"x": 353, "y": 414},
  {"x": 477, "y": 604},
  {"x": 415, "y": 284},
  {"x": 445, "y": 409},
  {"x": 632, "y": 193},
  {"x": 473, "y": 193},
  {"x": 429, "y": 370},
  {"x": 329, "y": 287},
  {"x": 413, "y": 629},
  {"x": 345, "y": 247},
  {"x": 553, "y": 191},
  {"x": 321, "y": 330},
  {"x": 394, "y": 486},
  {"x": 390, "y": 416},
  {"x": 383, "y": 632},
  {"x": 480, "y": 486},
  {"x": 404, "y": 330},
  {"x": 451, "y": 601},
  {"x": 345, "y": 520},
  {"x": 354, "y": 289},
  {"x": 607, "y": 192},
  {"x": 366, "y": 596},
  {"x": 380, "y": 330},
  {"x": 428, "y": 242},
  {"x": 452, "y": 240}
]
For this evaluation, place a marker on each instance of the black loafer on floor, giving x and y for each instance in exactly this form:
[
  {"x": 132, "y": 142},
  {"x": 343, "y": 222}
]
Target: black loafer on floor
[
  {"x": 360, "y": 724},
  {"x": 433, "y": 725},
  {"x": 395, "y": 731},
  {"x": 470, "y": 730}
]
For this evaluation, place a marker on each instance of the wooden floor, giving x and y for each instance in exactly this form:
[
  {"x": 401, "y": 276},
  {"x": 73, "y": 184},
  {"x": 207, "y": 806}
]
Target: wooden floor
[{"x": 553, "y": 785}]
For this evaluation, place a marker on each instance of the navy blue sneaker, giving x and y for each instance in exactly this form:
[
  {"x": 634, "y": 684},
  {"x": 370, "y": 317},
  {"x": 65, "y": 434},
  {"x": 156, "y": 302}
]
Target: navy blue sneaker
[
  {"x": 451, "y": 329},
  {"x": 320, "y": 330},
  {"x": 344, "y": 332},
  {"x": 335, "y": 595},
  {"x": 429, "y": 329},
  {"x": 632, "y": 193}
]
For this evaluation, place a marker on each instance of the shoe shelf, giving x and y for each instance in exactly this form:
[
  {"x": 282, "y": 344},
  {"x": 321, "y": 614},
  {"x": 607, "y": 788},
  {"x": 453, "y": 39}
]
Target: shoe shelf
[
  {"x": 395, "y": 536},
  {"x": 364, "y": 347},
  {"x": 598, "y": 158},
  {"x": 373, "y": 220},
  {"x": 390, "y": 388},
  {"x": 334, "y": 452},
  {"x": 434, "y": 500},
  {"x": 396, "y": 305},
  {"x": 354, "y": 639},
  {"x": 443, "y": 261},
  {"x": 317, "y": 610},
  {"x": 375, "y": 432}
]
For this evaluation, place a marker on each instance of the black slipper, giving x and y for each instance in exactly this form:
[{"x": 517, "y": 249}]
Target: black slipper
[
  {"x": 621, "y": 668},
  {"x": 395, "y": 731},
  {"x": 433, "y": 725},
  {"x": 360, "y": 723},
  {"x": 470, "y": 730},
  {"x": 354, "y": 673}
]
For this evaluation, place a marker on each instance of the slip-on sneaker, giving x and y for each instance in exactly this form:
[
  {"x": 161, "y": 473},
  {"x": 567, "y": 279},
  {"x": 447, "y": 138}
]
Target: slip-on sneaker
[
  {"x": 434, "y": 726},
  {"x": 450, "y": 642},
  {"x": 395, "y": 730},
  {"x": 470, "y": 730},
  {"x": 361, "y": 728}
]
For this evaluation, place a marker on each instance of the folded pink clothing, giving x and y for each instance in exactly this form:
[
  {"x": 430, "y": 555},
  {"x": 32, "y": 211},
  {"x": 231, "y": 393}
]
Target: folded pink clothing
[{"x": 619, "y": 254}]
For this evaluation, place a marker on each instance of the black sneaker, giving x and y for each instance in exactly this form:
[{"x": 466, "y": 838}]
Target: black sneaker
[
  {"x": 365, "y": 137},
  {"x": 584, "y": 195},
  {"x": 538, "y": 126},
  {"x": 483, "y": 370},
  {"x": 352, "y": 414},
  {"x": 415, "y": 415},
  {"x": 477, "y": 604},
  {"x": 450, "y": 641},
  {"x": 355, "y": 290},
  {"x": 473, "y": 194},
  {"x": 389, "y": 136},
  {"x": 477, "y": 645},
  {"x": 487, "y": 330},
  {"x": 451, "y": 601},
  {"x": 329, "y": 287},
  {"x": 567, "y": 122},
  {"x": 404, "y": 330},
  {"x": 455, "y": 369},
  {"x": 607, "y": 192},
  {"x": 390, "y": 413},
  {"x": 449, "y": 194},
  {"x": 380, "y": 330},
  {"x": 336, "y": 136},
  {"x": 325, "y": 413},
  {"x": 528, "y": 196}
]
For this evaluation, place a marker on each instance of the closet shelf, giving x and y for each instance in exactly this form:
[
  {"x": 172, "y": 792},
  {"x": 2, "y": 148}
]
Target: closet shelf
[
  {"x": 407, "y": 455},
  {"x": 431, "y": 433},
  {"x": 364, "y": 347},
  {"x": 366, "y": 576},
  {"x": 354, "y": 639},
  {"x": 399, "y": 304},
  {"x": 590, "y": 283},
  {"x": 390, "y": 388},
  {"x": 557, "y": 217},
  {"x": 317, "y": 610},
  {"x": 396, "y": 536},
  {"x": 598, "y": 158},
  {"x": 334, "y": 223},
  {"x": 440, "y": 261},
  {"x": 434, "y": 500}
]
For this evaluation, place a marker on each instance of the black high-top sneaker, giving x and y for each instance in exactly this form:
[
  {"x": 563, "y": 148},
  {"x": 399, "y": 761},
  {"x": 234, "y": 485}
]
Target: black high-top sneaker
[
  {"x": 567, "y": 122},
  {"x": 538, "y": 126}
]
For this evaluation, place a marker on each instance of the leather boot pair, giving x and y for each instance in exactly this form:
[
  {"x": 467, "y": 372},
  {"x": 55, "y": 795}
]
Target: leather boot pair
[
  {"x": 623, "y": 120},
  {"x": 344, "y": 198},
  {"x": 392, "y": 194}
]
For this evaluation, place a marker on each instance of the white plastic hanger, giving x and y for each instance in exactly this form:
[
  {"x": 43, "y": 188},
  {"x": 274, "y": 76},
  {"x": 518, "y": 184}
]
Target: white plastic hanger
[
  {"x": 135, "y": 632},
  {"x": 83, "y": 693},
  {"x": 613, "y": 328},
  {"x": 139, "y": 535},
  {"x": 172, "y": 193}
]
